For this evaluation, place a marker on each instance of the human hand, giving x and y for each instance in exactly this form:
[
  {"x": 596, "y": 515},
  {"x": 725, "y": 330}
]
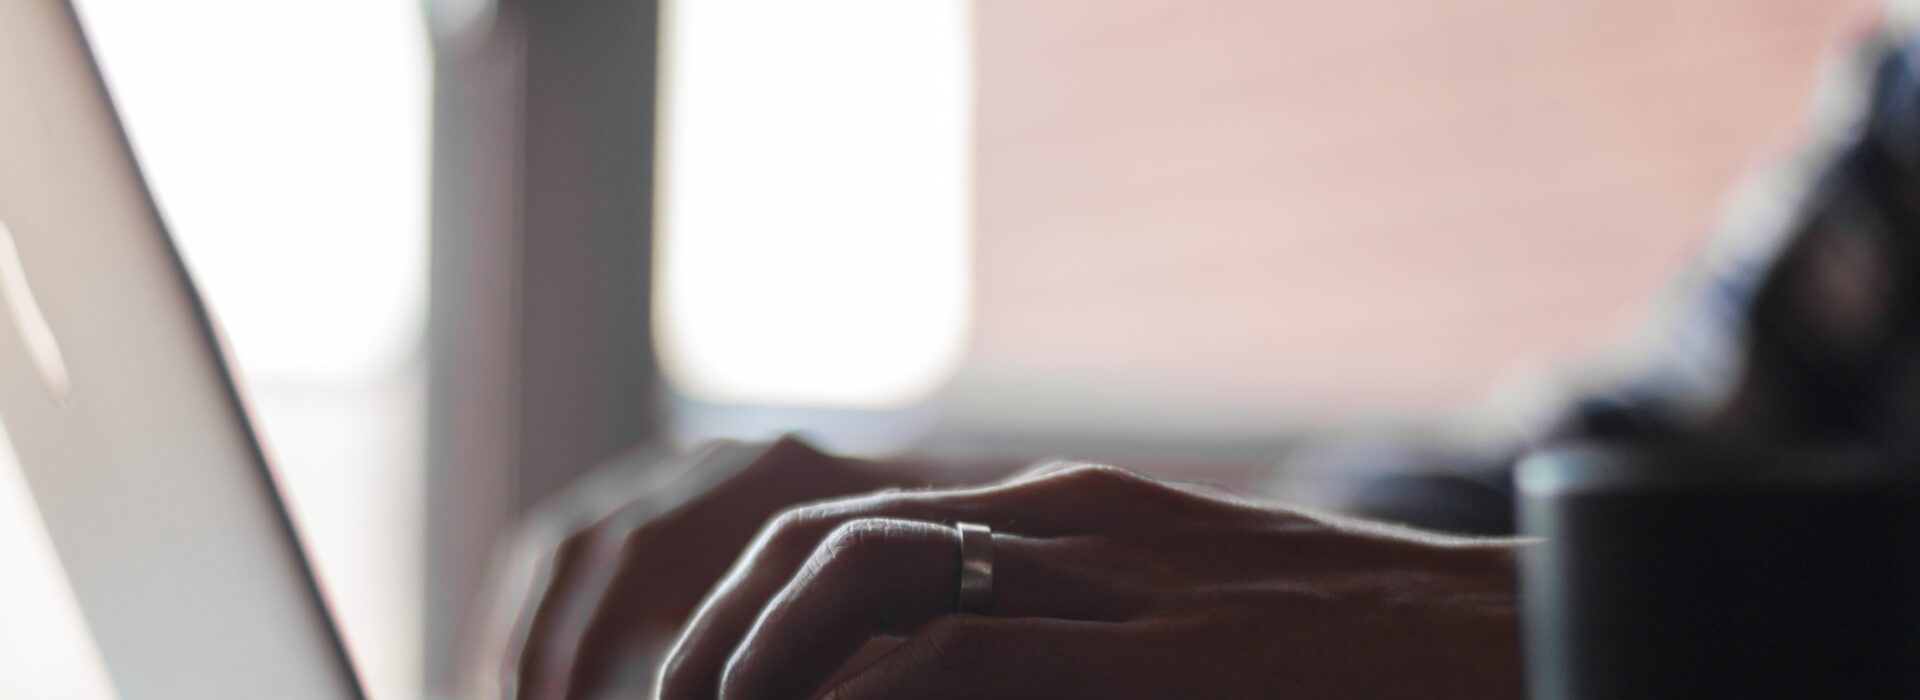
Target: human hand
[
  {"x": 1108, "y": 585},
  {"x": 601, "y": 593}
]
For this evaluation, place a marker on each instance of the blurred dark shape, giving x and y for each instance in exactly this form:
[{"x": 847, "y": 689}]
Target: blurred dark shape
[
  {"x": 1798, "y": 325},
  {"x": 1675, "y": 570}
]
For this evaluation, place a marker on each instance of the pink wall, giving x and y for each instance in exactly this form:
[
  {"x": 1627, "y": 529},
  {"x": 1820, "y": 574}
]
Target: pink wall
[{"x": 1366, "y": 202}]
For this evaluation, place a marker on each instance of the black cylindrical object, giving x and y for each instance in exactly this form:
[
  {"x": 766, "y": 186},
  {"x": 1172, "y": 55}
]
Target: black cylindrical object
[{"x": 1696, "y": 571}]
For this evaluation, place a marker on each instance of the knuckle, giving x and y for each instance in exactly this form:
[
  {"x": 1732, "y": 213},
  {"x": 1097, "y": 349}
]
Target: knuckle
[
  {"x": 1100, "y": 476},
  {"x": 856, "y": 542},
  {"x": 636, "y": 541},
  {"x": 574, "y": 544},
  {"x": 1043, "y": 469},
  {"x": 856, "y": 550},
  {"x": 581, "y": 549},
  {"x": 789, "y": 519},
  {"x": 858, "y": 556},
  {"x": 789, "y": 529}
]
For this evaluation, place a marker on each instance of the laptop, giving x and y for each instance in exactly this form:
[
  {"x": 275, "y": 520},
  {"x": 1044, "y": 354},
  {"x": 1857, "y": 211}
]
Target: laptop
[{"x": 116, "y": 393}]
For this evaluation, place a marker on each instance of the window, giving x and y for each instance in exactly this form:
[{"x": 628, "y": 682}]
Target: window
[{"x": 814, "y": 199}]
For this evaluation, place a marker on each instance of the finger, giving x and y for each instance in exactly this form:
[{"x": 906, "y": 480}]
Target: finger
[
  {"x": 964, "y": 656},
  {"x": 879, "y": 576},
  {"x": 493, "y": 652},
  {"x": 579, "y": 569},
  {"x": 566, "y": 542},
  {"x": 648, "y": 599},
  {"x": 1083, "y": 498}
]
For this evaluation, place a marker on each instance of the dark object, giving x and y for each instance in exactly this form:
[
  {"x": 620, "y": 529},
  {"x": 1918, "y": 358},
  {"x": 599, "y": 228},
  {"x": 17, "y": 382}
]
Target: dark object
[{"x": 1720, "y": 572}]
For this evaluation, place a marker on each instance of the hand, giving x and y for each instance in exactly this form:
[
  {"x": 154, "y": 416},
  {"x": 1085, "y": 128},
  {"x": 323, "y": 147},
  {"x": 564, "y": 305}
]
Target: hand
[
  {"x": 1107, "y": 585},
  {"x": 600, "y": 593}
]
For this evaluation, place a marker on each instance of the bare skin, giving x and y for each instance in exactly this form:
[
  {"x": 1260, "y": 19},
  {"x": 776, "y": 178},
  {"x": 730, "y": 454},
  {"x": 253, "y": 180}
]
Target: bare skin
[
  {"x": 590, "y": 603},
  {"x": 1109, "y": 585}
]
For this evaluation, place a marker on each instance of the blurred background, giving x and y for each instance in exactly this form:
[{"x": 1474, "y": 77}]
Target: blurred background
[{"x": 466, "y": 250}]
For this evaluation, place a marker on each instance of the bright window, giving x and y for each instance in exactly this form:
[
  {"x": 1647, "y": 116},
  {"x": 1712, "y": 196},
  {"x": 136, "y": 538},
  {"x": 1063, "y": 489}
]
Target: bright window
[{"x": 815, "y": 199}]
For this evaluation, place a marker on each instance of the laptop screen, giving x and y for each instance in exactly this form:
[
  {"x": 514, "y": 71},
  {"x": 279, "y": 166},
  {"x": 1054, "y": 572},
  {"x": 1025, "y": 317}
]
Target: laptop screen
[{"x": 114, "y": 390}]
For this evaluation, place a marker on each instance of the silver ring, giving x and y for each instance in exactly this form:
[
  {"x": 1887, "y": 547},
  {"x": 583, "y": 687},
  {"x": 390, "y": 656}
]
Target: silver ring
[{"x": 976, "y": 568}]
